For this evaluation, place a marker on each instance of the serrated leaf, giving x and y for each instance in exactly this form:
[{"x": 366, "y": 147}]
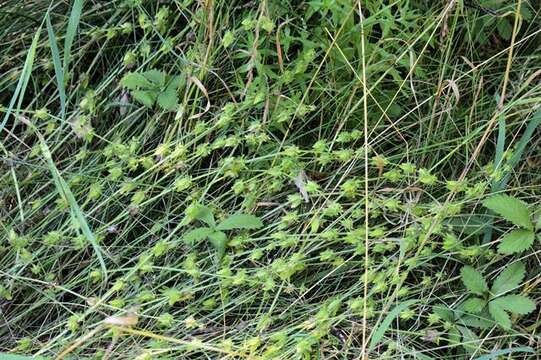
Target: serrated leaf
[
  {"x": 168, "y": 100},
  {"x": 204, "y": 214},
  {"x": 509, "y": 278},
  {"x": 444, "y": 313},
  {"x": 516, "y": 304},
  {"x": 474, "y": 305},
  {"x": 218, "y": 240},
  {"x": 516, "y": 241},
  {"x": 504, "y": 28},
  {"x": 469, "y": 339},
  {"x": 240, "y": 221},
  {"x": 156, "y": 77},
  {"x": 499, "y": 315},
  {"x": 134, "y": 81},
  {"x": 473, "y": 280},
  {"x": 481, "y": 321},
  {"x": 511, "y": 209},
  {"x": 175, "y": 82},
  {"x": 192, "y": 236},
  {"x": 147, "y": 98}
]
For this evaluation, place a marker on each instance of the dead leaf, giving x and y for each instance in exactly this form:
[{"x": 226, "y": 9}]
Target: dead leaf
[
  {"x": 300, "y": 182},
  {"x": 130, "y": 319},
  {"x": 124, "y": 103}
]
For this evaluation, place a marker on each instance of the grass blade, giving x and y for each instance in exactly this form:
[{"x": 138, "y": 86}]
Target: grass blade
[
  {"x": 64, "y": 190},
  {"x": 59, "y": 72},
  {"x": 495, "y": 354},
  {"x": 23, "y": 80},
  {"x": 382, "y": 328},
  {"x": 73, "y": 23}
]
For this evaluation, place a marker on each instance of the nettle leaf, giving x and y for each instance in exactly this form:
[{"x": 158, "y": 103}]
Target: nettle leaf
[
  {"x": 511, "y": 209},
  {"x": 516, "y": 304},
  {"x": 509, "y": 279},
  {"x": 473, "y": 280},
  {"x": 218, "y": 240},
  {"x": 499, "y": 315},
  {"x": 480, "y": 321},
  {"x": 195, "y": 235},
  {"x": 516, "y": 241},
  {"x": 134, "y": 81},
  {"x": 156, "y": 77},
  {"x": 204, "y": 214},
  {"x": 474, "y": 305},
  {"x": 168, "y": 100},
  {"x": 147, "y": 98},
  {"x": 240, "y": 221}
]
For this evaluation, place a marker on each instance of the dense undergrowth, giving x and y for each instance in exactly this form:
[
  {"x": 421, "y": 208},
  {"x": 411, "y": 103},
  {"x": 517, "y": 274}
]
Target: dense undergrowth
[{"x": 270, "y": 179}]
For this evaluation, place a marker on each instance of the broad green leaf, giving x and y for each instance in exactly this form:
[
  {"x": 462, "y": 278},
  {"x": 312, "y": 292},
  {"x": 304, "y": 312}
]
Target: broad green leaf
[
  {"x": 454, "y": 335},
  {"x": 218, "y": 240},
  {"x": 240, "y": 221},
  {"x": 156, "y": 77},
  {"x": 444, "y": 313},
  {"x": 228, "y": 39},
  {"x": 168, "y": 100},
  {"x": 473, "y": 280},
  {"x": 516, "y": 304},
  {"x": 480, "y": 321},
  {"x": 474, "y": 305},
  {"x": 499, "y": 314},
  {"x": 505, "y": 29},
  {"x": 192, "y": 236},
  {"x": 203, "y": 213},
  {"x": 134, "y": 81},
  {"x": 470, "y": 341},
  {"x": 147, "y": 98},
  {"x": 516, "y": 241},
  {"x": 379, "y": 332},
  {"x": 511, "y": 209},
  {"x": 509, "y": 278}
]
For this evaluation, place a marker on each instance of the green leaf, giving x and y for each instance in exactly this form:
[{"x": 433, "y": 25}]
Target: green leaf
[
  {"x": 203, "y": 213},
  {"x": 134, "y": 81},
  {"x": 481, "y": 321},
  {"x": 147, "y": 98},
  {"x": 192, "y": 236},
  {"x": 516, "y": 304},
  {"x": 473, "y": 280},
  {"x": 228, "y": 39},
  {"x": 218, "y": 240},
  {"x": 509, "y": 278},
  {"x": 474, "y": 305},
  {"x": 175, "y": 82},
  {"x": 240, "y": 221},
  {"x": 516, "y": 241},
  {"x": 470, "y": 341},
  {"x": 504, "y": 28},
  {"x": 499, "y": 314},
  {"x": 168, "y": 100},
  {"x": 511, "y": 209},
  {"x": 157, "y": 78},
  {"x": 384, "y": 325}
]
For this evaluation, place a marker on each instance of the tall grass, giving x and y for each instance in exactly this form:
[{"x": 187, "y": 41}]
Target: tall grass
[{"x": 364, "y": 134}]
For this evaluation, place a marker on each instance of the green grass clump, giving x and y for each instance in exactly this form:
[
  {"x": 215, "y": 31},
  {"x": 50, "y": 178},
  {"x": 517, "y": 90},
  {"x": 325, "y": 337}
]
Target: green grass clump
[{"x": 270, "y": 179}]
